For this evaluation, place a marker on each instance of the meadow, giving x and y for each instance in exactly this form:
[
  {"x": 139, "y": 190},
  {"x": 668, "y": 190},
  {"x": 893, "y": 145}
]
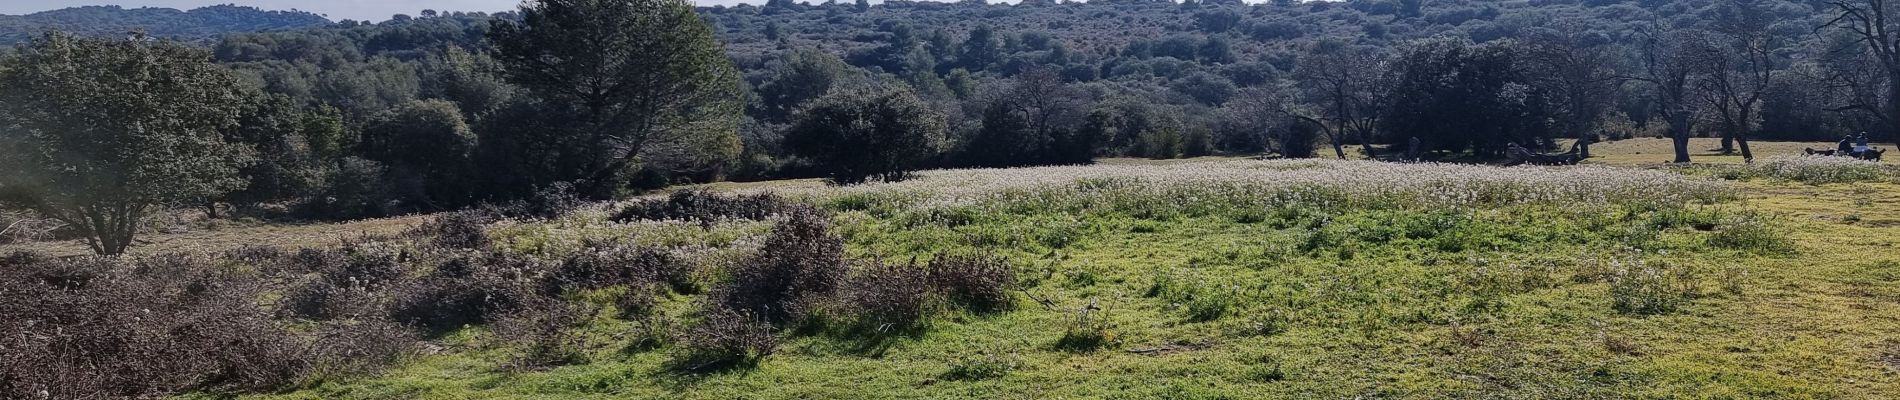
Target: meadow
[{"x": 1204, "y": 278}]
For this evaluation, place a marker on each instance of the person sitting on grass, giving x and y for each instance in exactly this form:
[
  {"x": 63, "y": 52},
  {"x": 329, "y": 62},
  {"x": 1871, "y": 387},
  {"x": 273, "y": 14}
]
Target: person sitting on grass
[
  {"x": 1860, "y": 143},
  {"x": 1847, "y": 145}
]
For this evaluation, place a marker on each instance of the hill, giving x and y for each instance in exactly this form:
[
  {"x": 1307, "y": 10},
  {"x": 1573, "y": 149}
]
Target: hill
[{"x": 195, "y": 25}]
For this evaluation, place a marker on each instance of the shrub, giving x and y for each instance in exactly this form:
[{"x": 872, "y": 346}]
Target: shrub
[
  {"x": 1087, "y": 329},
  {"x": 358, "y": 347},
  {"x": 440, "y": 303},
  {"x": 548, "y": 202},
  {"x": 320, "y": 299},
  {"x": 547, "y": 328},
  {"x": 1753, "y": 233},
  {"x": 800, "y": 262},
  {"x": 704, "y": 207},
  {"x": 981, "y": 366},
  {"x": 724, "y": 338},
  {"x": 601, "y": 265},
  {"x": 457, "y": 230},
  {"x": 978, "y": 283},
  {"x": 111, "y": 328},
  {"x": 885, "y": 298},
  {"x": 367, "y": 263},
  {"x": 1639, "y": 286}
]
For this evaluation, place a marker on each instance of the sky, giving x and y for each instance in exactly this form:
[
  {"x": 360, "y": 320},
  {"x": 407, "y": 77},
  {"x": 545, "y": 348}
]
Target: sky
[{"x": 370, "y": 10}]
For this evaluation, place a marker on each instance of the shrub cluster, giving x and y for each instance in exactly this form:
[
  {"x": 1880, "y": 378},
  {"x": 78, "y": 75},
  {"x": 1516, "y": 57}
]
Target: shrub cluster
[
  {"x": 705, "y": 207},
  {"x": 121, "y": 328},
  {"x": 1813, "y": 169},
  {"x": 800, "y": 264},
  {"x": 260, "y": 318}
]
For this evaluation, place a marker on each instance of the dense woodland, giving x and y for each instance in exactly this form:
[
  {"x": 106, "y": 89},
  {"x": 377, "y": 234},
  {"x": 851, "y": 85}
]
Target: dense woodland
[{"x": 443, "y": 110}]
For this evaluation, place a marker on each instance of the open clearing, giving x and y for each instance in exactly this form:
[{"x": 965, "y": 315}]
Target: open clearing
[{"x": 1282, "y": 287}]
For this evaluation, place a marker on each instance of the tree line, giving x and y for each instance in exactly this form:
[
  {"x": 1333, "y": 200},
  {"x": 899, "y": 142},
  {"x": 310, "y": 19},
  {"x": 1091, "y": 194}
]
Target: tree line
[{"x": 599, "y": 98}]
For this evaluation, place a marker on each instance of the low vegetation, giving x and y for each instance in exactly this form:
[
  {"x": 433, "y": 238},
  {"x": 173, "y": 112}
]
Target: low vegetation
[{"x": 973, "y": 281}]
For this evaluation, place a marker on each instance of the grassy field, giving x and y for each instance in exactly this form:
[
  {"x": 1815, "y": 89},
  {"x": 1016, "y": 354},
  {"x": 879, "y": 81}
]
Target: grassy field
[{"x": 1223, "y": 278}]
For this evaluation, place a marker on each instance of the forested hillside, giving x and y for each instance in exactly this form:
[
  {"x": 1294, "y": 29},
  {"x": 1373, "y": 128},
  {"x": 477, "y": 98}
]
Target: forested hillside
[
  {"x": 197, "y": 24},
  {"x": 1043, "y": 83}
]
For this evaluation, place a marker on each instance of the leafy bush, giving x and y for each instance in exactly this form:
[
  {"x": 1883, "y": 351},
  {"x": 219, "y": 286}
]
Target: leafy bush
[
  {"x": 981, "y": 366},
  {"x": 858, "y": 135}
]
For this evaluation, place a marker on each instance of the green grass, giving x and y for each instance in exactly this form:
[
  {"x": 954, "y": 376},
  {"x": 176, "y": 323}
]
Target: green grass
[{"x": 1790, "y": 291}]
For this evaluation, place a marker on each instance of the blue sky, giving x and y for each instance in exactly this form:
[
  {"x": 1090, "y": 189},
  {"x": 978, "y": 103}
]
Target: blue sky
[{"x": 374, "y": 10}]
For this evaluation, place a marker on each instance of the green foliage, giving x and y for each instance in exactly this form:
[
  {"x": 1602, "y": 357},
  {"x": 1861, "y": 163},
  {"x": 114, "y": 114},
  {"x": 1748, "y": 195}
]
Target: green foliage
[
  {"x": 800, "y": 76},
  {"x": 1491, "y": 102},
  {"x": 639, "y": 74},
  {"x": 1639, "y": 285},
  {"x": 858, "y": 135},
  {"x": 107, "y": 131},
  {"x": 196, "y": 24},
  {"x": 427, "y": 147},
  {"x": 981, "y": 366}
]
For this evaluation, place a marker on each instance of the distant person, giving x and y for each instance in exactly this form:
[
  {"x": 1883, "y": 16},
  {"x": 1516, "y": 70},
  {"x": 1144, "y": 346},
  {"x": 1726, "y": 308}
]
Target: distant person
[
  {"x": 1847, "y": 145},
  {"x": 1860, "y": 143}
]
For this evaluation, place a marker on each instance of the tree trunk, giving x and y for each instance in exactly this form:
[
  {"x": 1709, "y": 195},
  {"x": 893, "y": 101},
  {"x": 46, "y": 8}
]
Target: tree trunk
[
  {"x": 1728, "y": 142},
  {"x": 1747, "y": 156},
  {"x": 1892, "y": 109},
  {"x": 1365, "y": 143},
  {"x": 1679, "y": 134},
  {"x": 1337, "y": 148}
]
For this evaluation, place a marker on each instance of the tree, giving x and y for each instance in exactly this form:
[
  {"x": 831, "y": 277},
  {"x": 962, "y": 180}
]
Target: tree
[
  {"x": 1344, "y": 87},
  {"x": 1738, "y": 66},
  {"x": 981, "y": 49},
  {"x": 862, "y": 134},
  {"x": 1458, "y": 96},
  {"x": 1874, "y": 25},
  {"x": 1031, "y": 121},
  {"x": 801, "y": 75},
  {"x": 1576, "y": 70},
  {"x": 427, "y": 147},
  {"x": 1668, "y": 67},
  {"x": 637, "y": 73},
  {"x": 102, "y": 133},
  {"x": 288, "y": 165},
  {"x": 1253, "y": 122}
]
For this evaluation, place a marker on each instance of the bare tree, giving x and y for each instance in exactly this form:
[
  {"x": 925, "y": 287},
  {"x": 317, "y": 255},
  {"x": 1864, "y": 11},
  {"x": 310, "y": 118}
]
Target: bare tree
[
  {"x": 1258, "y": 114},
  {"x": 1667, "y": 67},
  {"x": 1577, "y": 71},
  {"x": 1869, "y": 22},
  {"x": 1738, "y": 66},
  {"x": 1343, "y": 86}
]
